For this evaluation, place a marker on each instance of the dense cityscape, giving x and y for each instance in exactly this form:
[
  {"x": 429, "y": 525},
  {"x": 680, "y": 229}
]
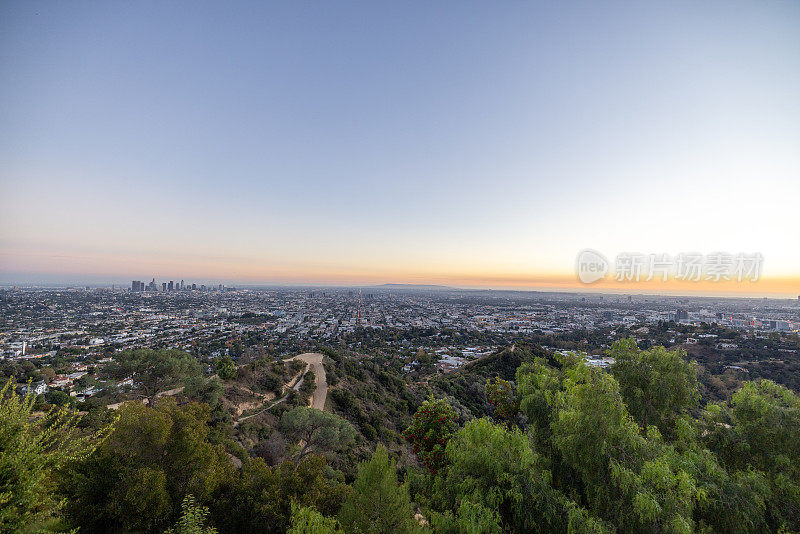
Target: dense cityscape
[{"x": 72, "y": 328}]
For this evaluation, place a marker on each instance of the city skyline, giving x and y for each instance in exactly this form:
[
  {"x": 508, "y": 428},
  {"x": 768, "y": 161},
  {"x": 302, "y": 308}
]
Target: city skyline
[
  {"x": 763, "y": 288},
  {"x": 356, "y": 144}
]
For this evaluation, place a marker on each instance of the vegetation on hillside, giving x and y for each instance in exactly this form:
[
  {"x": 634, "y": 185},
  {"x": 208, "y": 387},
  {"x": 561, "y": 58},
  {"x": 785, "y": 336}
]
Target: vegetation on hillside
[{"x": 521, "y": 441}]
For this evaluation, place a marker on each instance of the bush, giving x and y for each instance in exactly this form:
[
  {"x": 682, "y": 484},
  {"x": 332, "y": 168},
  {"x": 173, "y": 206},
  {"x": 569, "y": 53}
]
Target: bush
[
  {"x": 431, "y": 428},
  {"x": 226, "y": 369}
]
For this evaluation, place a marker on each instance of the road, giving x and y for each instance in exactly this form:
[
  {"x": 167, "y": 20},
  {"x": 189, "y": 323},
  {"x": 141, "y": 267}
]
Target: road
[{"x": 314, "y": 360}]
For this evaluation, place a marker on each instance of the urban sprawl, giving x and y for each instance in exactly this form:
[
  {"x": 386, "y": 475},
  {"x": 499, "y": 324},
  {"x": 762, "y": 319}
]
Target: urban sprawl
[{"x": 77, "y": 330}]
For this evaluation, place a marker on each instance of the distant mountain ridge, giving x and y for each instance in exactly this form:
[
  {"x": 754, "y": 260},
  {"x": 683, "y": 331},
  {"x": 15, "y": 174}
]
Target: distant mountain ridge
[{"x": 428, "y": 287}]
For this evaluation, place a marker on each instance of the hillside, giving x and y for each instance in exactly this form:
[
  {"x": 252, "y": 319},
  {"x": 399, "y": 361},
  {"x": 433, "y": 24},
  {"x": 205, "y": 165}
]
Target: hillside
[
  {"x": 562, "y": 447},
  {"x": 259, "y": 383},
  {"x": 466, "y": 386},
  {"x": 376, "y": 400}
]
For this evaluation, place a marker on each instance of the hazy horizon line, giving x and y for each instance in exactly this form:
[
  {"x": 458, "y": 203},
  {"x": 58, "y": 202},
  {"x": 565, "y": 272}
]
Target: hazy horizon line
[{"x": 621, "y": 288}]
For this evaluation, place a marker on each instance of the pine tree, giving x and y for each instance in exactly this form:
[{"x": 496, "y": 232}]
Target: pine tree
[{"x": 377, "y": 503}]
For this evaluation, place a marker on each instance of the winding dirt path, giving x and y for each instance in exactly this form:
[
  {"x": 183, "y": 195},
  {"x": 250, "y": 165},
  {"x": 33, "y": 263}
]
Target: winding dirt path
[{"x": 313, "y": 360}]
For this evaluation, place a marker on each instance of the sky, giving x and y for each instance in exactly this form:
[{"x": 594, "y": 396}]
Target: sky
[{"x": 476, "y": 144}]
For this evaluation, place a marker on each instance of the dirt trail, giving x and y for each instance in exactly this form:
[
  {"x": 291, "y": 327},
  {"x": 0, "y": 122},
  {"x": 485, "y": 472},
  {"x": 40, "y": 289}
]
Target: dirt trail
[
  {"x": 168, "y": 393},
  {"x": 313, "y": 361}
]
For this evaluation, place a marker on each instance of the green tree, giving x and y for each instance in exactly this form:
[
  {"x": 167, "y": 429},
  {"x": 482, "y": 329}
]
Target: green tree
[
  {"x": 193, "y": 519},
  {"x": 137, "y": 479},
  {"x": 760, "y": 430},
  {"x": 58, "y": 398},
  {"x": 658, "y": 386},
  {"x": 155, "y": 371},
  {"x": 47, "y": 373},
  {"x": 538, "y": 385},
  {"x": 32, "y": 449},
  {"x": 615, "y": 473},
  {"x": 767, "y": 417},
  {"x": 202, "y": 389},
  {"x": 502, "y": 396},
  {"x": 259, "y": 498},
  {"x": 633, "y": 481},
  {"x": 226, "y": 369},
  {"x": 470, "y": 518},
  {"x": 727, "y": 502},
  {"x": 377, "y": 503},
  {"x": 430, "y": 429},
  {"x": 317, "y": 431},
  {"x": 496, "y": 482},
  {"x": 307, "y": 520}
]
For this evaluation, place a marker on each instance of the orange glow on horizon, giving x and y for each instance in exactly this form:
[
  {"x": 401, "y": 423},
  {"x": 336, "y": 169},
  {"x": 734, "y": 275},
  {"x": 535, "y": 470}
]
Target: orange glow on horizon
[{"x": 252, "y": 273}]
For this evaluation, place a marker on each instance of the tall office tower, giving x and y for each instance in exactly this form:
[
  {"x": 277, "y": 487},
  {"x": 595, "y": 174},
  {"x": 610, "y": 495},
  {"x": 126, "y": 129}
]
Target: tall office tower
[
  {"x": 171, "y": 286},
  {"x": 134, "y": 286},
  {"x": 181, "y": 284},
  {"x": 194, "y": 286},
  {"x": 164, "y": 287},
  {"x": 681, "y": 315},
  {"x": 220, "y": 287}
]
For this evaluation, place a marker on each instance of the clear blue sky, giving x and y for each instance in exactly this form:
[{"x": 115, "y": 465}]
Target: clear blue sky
[{"x": 445, "y": 141}]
